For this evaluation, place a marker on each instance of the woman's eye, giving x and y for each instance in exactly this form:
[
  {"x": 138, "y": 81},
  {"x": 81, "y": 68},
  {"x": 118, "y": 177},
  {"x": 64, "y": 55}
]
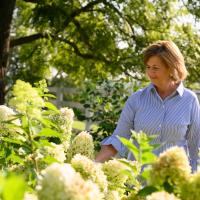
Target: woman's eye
[{"x": 155, "y": 68}]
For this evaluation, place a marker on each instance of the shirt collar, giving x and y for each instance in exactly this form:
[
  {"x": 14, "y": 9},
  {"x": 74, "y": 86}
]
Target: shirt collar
[{"x": 179, "y": 89}]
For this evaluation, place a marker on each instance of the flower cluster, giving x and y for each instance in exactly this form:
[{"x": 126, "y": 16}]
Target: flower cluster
[
  {"x": 190, "y": 190},
  {"x": 171, "y": 166},
  {"x": 6, "y": 114},
  {"x": 113, "y": 169},
  {"x": 46, "y": 155},
  {"x": 161, "y": 196},
  {"x": 113, "y": 195},
  {"x": 133, "y": 196},
  {"x": 82, "y": 144},
  {"x": 30, "y": 196},
  {"x": 26, "y": 99},
  {"x": 61, "y": 182},
  {"x": 90, "y": 170},
  {"x": 65, "y": 123},
  {"x": 56, "y": 151}
]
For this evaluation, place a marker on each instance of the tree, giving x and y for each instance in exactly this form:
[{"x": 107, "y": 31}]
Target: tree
[
  {"x": 90, "y": 38},
  {"x": 6, "y": 12},
  {"x": 87, "y": 34}
]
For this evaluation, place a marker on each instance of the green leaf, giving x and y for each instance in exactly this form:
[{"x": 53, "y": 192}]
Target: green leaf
[
  {"x": 169, "y": 188},
  {"x": 15, "y": 159},
  {"x": 42, "y": 143},
  {"x": 14, "y": 188},
  {"x": 49, "y": 95},
  {"x": 47, "y": 132},
  {"x": 155, "y": 146},
  {"x": 130, "y": 146},
  {"x": 24, "y": 121},
  {"x": 51, "y": 106},
  {"x": 47, "y": 122},
  {"x": 14, "y": 141},
  {"x": 147, "y": 191},
  {"x": 49, "y": 160},
  {"x": 148, "y": 157},
  {"x": 146, "y": 173},
  {"x": 133, "y": 166}
]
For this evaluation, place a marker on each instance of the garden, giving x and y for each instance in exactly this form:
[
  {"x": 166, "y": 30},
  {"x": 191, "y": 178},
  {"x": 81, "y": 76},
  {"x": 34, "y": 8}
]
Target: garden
[
  {"x": 41, "y": 158},
  {"x": 92, "y": 49}
]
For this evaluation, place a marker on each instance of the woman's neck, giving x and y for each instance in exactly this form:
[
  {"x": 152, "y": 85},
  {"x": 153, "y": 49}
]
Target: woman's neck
[{"x": 166, "y": 90}]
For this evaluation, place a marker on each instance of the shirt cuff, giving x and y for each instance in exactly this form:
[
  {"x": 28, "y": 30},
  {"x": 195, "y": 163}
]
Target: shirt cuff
[
  {"x": 193, "y": 163},
  {"x": 115, "y": 142}
]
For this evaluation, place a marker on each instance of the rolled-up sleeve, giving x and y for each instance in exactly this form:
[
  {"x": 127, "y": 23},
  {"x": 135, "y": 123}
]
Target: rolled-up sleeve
[
  {"x": 193, "y": 135},
  {"x": 124, "y": 126}
]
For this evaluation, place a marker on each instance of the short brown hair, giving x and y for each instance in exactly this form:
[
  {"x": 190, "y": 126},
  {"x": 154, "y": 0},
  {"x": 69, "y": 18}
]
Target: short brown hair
[{"x": 170, "y": 55}]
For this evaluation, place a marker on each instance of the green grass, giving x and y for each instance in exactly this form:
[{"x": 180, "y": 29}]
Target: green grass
[{"x": 80, "y": 125}]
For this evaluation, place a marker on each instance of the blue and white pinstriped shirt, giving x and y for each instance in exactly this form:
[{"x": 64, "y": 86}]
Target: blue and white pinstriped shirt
[{"x": 175, "y": 120}]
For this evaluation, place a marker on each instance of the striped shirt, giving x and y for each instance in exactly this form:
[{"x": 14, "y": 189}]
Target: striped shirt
[{"x": 175, "y": 120}]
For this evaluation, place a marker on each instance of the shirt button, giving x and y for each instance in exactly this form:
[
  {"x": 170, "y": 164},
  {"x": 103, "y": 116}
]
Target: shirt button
[
  {"x": 163, "y": 106},
  {"x": 160, "y": 125}
]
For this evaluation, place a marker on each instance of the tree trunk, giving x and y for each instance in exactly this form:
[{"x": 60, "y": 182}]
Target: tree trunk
[{"x": 6, "y": 14}]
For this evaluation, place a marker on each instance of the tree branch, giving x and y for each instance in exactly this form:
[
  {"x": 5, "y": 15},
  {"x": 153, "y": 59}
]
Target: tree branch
[
  {"x": 77, "y": 51},
  {"x": 27, "y": 39},
  {"x": 79, "y": 11},
  {"x": 31, "y": 1},
  {"x": 84, "y": 55},
  {"x": 82, "y": 33}
]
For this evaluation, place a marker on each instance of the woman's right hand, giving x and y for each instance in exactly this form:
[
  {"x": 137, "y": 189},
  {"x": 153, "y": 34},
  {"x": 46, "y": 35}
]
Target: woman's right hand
[{"x": 106, "y": 152}]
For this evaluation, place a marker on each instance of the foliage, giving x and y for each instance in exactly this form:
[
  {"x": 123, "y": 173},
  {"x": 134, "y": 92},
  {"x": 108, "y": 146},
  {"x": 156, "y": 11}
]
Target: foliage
[
  {"x": 103, "y": 102},
  {"x": 142, "y": 150},
  {"x": 28, "y": 149},
  {"x": 14, "y": 183},
  {"x": 89, "y": 39},
  {"x": 38, "y": 145}
]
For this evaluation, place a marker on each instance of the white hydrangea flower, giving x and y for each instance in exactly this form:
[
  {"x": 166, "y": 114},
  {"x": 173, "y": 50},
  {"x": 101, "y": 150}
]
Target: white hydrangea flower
[
  {"x": 161, "y": 196},
  {"x": 26, "y": 99},
  {"x": 21, "y": 151},
  {"x": 190, "y": 190},
  {"x": 133, "y": 195},
  {"x": 65, "y": 122},
  {"x": 90, "y": 170},
  {"x": 67, "y": 114},
  {"x": 113, "y": 195},
  {"x": 82, "y": 144},
  {"x": 56, "y": 151},
  {"x": 6, "y": 114},
  {"x": 172, "y": 166},
  {"x": 113, "y": 169},
  {"x": 61, "y": 182},
  {"x": 30, "y": 196}
]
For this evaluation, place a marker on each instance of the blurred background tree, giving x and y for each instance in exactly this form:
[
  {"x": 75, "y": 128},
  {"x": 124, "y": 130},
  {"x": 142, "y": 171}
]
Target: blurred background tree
[{"x": 88, "y": 39}]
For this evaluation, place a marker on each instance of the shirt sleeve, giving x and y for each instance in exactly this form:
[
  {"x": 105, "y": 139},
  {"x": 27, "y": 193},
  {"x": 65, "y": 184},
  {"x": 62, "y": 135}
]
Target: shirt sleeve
[
  {"x": 124, "y": 126},
  {"x": 193, "y": 135}
]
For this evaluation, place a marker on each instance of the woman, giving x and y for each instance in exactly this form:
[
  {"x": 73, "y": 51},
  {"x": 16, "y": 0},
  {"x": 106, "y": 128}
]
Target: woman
[{"x": 165, "y": 108}]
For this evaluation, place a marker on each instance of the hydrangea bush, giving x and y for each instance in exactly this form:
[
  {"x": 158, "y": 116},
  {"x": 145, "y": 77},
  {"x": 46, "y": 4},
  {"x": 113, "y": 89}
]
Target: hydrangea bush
[
  {"x": 81, "y": 144},
  {"x": 37, "y": 142}
]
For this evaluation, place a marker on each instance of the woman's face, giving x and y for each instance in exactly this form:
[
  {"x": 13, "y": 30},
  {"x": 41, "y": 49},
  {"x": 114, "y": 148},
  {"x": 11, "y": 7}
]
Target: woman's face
[{"x": 157, "y": 71}]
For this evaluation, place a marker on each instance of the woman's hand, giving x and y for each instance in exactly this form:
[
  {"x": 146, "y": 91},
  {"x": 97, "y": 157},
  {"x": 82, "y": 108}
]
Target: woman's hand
[{"x": 106, "y": 152}]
